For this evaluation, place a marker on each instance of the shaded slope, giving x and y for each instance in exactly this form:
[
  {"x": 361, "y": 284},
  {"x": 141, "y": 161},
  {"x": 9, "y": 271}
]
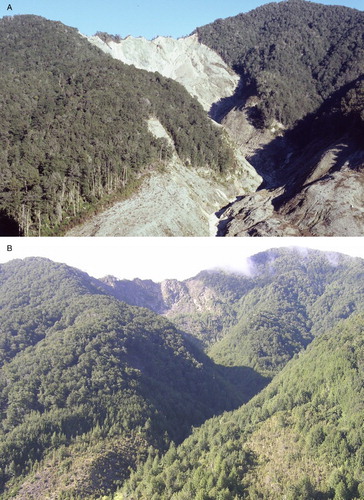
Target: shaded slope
[
  {"x": 312, "y": 174},
  {"x": 293, "y": 52},
  {"x": 300, "y": 438},
  {"x": 289, "y": 52}
]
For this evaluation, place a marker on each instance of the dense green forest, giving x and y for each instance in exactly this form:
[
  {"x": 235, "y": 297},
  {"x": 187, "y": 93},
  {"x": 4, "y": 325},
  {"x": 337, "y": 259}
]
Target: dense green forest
[
  {"x": 295, "y": 298},
  {"x": 300, "y": 438},
  {"x": 262, "y": 318},
  {"x": 93, "y": 388},
  {"x": 80, "y": 368},
  {"x": 290, "y": 52},
  {"x": 74, "y": 132}
]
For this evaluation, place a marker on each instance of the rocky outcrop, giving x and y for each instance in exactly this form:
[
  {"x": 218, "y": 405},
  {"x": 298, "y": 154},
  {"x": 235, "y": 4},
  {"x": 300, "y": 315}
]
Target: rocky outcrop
[
  {"x": 313, "y": 174},
  {"x": 141, "y": 293},
  {"x": 192, "y": 304},
  {"x": 170, "y": 297}
]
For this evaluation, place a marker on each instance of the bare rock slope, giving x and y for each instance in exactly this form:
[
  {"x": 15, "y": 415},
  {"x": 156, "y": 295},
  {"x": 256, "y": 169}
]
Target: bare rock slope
[
  {"x": 179, "y": 201},
  {"x": 194, "y": 305},
  {"x": 316, "y": 190},
  {"x": 201, "y": 70}
]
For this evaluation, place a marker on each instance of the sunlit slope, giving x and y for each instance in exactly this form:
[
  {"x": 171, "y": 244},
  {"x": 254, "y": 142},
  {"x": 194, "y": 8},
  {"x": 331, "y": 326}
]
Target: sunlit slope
[
  {"x": 74, "y": 130},
  {"x": 302, "y": 437},
  {"x": 297, "y": 296},
  {"x": 87, "y": 380}
]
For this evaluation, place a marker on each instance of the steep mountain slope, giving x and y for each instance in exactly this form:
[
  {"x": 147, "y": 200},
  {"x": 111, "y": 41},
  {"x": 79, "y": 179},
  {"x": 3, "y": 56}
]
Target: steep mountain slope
[
  {"x": 82, "y": 132},
  {"x": 92, "y": 387},
  {"x": 202, "y": 305},
  {"x": 300, "y": 438},
  {"x": 296, "y": 298},
  {"x": 87, "y": 383},
  {"x": 173, "y": 201},
  {"x": 287, "y": 53},
  {"x": 75, "y": 133},
  {"x": 198, "y": 68}
]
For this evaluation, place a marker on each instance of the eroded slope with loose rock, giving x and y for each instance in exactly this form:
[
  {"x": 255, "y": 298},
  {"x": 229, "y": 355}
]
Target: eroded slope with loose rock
[
  {"x": 312, "y": 187},
  {"x": 175, "y": 201},
  {"x": 201, "y": 70}
]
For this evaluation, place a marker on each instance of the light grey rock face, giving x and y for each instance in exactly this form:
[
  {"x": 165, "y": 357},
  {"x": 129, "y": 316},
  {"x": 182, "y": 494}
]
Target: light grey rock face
[
  {"x": 180, "y": 201},
  {"x": 188, "y": 297},
  {"x": 190, "y": 304},
  {"x": 202, "y": 72},
  {"x": 177, "y": 202},
  {"x": 137, "y": 292},
  {"x": 170, "y": 297}
]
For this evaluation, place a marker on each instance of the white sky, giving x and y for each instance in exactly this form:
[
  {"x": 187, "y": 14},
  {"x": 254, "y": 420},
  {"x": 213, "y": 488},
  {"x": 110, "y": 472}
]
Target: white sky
[{"x": 161, "y": 258}]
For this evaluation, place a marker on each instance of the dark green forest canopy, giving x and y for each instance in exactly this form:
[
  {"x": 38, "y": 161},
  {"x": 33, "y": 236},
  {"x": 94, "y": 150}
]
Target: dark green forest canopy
[
  {"x": 291, "y": 52},
  {"x": 74, "y": 131}
]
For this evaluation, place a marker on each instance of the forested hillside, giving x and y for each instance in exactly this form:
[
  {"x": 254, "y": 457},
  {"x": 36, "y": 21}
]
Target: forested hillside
[
  {"x": 289, "y": 52},
  {"x": 74, "y": 133},
  {"x": 260, "y": 319},
  {"x": 300, "y": 438},
  {"x": 296, "y": 298},
  {"x": 88, "y": 383},
  {"x": 92, "y": 388}
]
